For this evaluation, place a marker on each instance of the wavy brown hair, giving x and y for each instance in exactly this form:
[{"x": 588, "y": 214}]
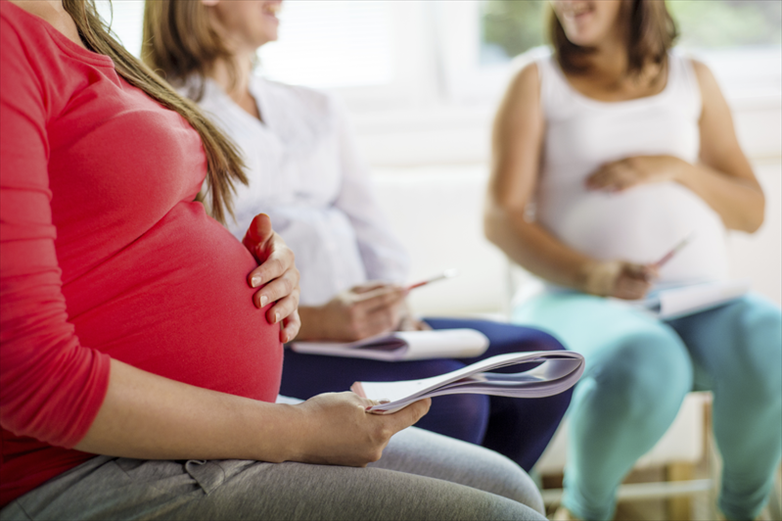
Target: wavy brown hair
[
  {"x": 650, "y": 32},
  {"x": 224, "y": 164},
  {"x": 181, "y": 45}
]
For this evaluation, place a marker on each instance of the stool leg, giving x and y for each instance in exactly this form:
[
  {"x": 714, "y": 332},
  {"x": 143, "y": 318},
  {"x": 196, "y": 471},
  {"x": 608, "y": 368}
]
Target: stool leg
[
  {"x": 775, "y": 501},
  {"x": 679, "y": 508}
]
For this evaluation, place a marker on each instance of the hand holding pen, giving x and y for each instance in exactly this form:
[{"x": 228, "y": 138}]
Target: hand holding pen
[{"x": 627, "y": 280}]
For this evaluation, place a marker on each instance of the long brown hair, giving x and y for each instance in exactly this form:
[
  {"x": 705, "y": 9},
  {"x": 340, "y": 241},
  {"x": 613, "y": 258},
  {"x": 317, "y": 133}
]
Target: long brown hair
[
  {"x": 181, "y": 45},
  {"x": 224, "y": 164},
  {"x": 650, "y": 32}
]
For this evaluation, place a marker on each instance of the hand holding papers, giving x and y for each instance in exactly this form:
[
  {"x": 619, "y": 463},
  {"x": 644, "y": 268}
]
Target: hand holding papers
[
  {"x": 557, "y": 372},
  {"x": 675, "y": 302}
]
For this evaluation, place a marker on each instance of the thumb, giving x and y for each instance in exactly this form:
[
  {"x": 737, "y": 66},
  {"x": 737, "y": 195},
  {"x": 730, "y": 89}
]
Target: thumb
[
  {"x": 260, "y": 230},
  {"x": 409, "y": 415}
]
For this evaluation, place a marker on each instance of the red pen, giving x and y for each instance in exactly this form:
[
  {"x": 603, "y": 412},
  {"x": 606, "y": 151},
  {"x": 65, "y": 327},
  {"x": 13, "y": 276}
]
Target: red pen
[
  {"x": 447, "y": 274},
  {"x": 676, "y": 249}
]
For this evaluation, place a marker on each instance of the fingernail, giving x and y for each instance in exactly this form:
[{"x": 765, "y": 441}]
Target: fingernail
[
  {"x": 255, "y": 281},
  {"x": 264, "y": 300},
  {"x": 276, "y": 317}
]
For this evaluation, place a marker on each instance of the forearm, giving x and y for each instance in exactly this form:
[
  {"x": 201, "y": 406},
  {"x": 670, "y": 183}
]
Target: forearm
[
  {"x": 738, "y": 201},
  {"x": 535, "y": 249},
  {"x": 150, "y": 417}
]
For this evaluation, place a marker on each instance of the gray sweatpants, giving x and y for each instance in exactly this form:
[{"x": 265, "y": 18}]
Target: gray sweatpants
[{"x": 421, "y": 475}]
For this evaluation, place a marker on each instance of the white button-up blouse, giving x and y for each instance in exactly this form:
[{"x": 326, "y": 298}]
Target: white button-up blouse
[{"x": 305, "y": 173}]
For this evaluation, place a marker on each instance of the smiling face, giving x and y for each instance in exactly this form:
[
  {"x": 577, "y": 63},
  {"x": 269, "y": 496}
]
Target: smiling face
[
  {"x": 245, "y": 24},
  {"x": 588, "y": 23}
]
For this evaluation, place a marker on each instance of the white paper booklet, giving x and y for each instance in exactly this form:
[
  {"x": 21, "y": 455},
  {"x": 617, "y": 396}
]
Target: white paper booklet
[
  {"x": 678, "y": 302},
  {"x": 404, "y": 345},
  {"x": 557, "y": 371}
]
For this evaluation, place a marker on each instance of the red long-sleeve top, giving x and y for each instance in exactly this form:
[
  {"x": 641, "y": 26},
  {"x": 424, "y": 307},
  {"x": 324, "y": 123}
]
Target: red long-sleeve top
[{"x": 104, "y": 253}]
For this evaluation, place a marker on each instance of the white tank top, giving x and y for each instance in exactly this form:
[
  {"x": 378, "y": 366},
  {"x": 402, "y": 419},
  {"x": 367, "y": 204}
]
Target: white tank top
[{"x": 644, "y": 222}]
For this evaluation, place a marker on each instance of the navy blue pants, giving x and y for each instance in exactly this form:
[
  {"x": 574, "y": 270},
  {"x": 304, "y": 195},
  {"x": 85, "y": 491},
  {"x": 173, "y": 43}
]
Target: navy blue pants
[{"x": 516, "y": 427}]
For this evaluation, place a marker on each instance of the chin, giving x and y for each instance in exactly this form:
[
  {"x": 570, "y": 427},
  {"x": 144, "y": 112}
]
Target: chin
[
  {"x": 265, "y": 37},
  {"x": 582, "y": 39}
]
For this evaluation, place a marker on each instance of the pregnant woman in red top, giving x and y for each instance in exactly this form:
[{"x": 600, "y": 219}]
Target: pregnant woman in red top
[{"x": 128, "y": 326}]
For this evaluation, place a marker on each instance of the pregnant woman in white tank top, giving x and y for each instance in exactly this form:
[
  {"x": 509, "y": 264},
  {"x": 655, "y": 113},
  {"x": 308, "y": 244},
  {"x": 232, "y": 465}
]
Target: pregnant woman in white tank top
[{"x": 606, "y": 155}]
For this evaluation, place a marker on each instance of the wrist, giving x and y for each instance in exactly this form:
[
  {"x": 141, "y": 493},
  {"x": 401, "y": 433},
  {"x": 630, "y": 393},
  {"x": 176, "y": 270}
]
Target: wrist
[
  {"x": 296, "y": 439},
  {"x": 599, "y": 277},
  {"x": 281, "y": 434}
]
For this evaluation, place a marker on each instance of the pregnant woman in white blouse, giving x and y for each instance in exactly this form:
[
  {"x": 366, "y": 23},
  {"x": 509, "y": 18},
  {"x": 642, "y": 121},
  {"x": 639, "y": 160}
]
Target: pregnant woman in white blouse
[{"x": 304, "y": 172}]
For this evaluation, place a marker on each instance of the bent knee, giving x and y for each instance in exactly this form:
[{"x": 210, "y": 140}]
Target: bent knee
[
  {"x": 649, "y": 372},
  {"x": 755, "y": 367}
]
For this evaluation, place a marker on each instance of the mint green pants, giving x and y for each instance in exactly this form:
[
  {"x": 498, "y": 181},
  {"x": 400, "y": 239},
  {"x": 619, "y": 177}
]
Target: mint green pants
[{"x": 638, "y": 370}]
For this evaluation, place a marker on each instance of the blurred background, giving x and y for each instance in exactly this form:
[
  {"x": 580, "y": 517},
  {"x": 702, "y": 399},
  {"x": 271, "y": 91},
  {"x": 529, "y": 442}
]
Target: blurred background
[{"x": 422, "y": 78}]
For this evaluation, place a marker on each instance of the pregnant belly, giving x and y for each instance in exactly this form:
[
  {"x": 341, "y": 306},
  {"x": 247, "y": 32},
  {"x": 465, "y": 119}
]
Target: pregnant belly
[
  {"x": 176, "y": 303},
  {"x": 641, "y": 225}
]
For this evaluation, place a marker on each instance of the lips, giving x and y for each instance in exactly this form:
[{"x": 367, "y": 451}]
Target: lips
[{"x": 575, "y": 11}]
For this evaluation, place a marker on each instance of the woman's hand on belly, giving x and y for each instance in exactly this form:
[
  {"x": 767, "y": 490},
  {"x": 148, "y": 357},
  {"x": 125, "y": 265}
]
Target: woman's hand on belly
[
  {"x": 341, "y": 432},
  {"x": 632, "y": 171},
  {"x": 276, "y": 275}
]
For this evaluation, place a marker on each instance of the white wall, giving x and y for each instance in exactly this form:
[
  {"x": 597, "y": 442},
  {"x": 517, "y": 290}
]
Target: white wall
[{"x": 437, "y": 213}]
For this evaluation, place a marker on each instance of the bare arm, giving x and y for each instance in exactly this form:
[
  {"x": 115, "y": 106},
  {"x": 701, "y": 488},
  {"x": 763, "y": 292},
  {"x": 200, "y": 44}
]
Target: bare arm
[
  {"x": 517, "y": 143},
  {"x": 147, "y": 416},
  {"x": 724, "y": 179}
]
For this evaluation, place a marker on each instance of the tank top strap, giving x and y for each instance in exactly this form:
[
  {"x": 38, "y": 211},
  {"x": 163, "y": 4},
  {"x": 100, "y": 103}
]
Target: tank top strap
[
  {"x": 556, "y": 96},
  {"x": 683, "y": 83}
]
